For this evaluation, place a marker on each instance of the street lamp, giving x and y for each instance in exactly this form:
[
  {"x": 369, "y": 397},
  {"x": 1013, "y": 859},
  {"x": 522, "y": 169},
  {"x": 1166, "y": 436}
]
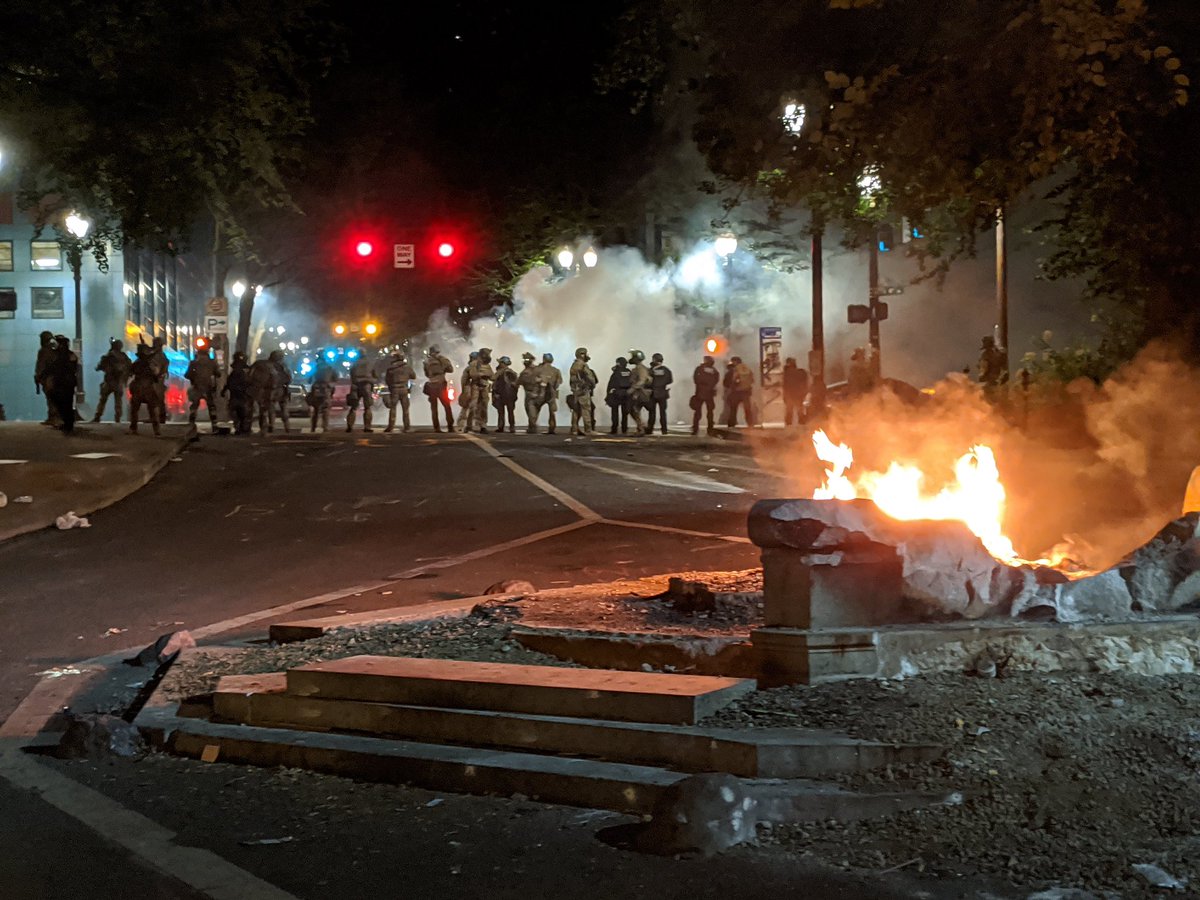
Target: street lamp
[
  {"x": 566, "y": 258},
  {"x": 590, "y": 258},
  {"x": 78, "y": 227},
  {"x": 238, "y": 290},
  {"x": 725, "y": 245}
]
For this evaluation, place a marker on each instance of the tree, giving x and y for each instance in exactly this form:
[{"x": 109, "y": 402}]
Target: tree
[
  {"x": 147, "y": 116},
  {"x": 958, "y": 110}
]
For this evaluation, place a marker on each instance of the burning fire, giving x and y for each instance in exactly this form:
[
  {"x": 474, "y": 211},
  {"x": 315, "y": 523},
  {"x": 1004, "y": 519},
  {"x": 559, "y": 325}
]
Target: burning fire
[{"x": 976, "y": 496}]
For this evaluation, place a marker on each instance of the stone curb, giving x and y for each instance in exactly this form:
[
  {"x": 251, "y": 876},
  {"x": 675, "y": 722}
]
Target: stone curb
[{"x": 117, "y": 494}]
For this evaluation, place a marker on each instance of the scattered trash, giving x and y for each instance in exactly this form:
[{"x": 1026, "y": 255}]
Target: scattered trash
[
  {"x": 113, "y": 631},
  {"x": 979, "y": 729},
  {"x": 64, "y": 670},
  {"x": 266, "y": 842},
  {"x": 210, "y": 753},
  {"x": 436, "y": 801},
  {"x": 24, "y": 498},
  {"x": 176, "y": 459},
  {"x": 70, "y": 520},
  {"x": 1159, "y": 877}
]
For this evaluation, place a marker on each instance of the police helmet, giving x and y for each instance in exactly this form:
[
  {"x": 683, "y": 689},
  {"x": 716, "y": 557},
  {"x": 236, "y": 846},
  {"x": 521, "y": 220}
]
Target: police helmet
[
  {"x": 527, "y": 356},
  {"x": 657, "y": 357},
  {"x": 636, "y": 356},
  {"x": 988, "y": 341},
  {"x": 581, "y": 353},
  {"x": 116, "y": 345},
  {"x": 708, "y": 360},
  {"x": 548, "y": 357},
  {"x": 276, "y": 356},
  {"x": 434, "y": 350},
  {"x": 485, "y": 353},
  {"x": 474, "y": 354},
  {"x": 622, "y": 361},
  {"x": 735, "y": 360},
  {"x": 505, "y": 361}
]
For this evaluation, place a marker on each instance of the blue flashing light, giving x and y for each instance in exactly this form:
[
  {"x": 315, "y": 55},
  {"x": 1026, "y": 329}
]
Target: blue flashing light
[
  {"x": 331, "y": 355},
  {"x": 884, "y": 247},
  {"x": 352, "y": 354},
  {"x": 917, "y": 233},
  {"x": 305, "y": 368}
]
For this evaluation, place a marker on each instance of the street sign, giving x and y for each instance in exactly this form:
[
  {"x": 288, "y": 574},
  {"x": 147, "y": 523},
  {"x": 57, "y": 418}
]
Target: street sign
[
  {"x": 216, "y": 306},
  {"x": 216, "y": 324},
  {"x": 404, "y": 256}
]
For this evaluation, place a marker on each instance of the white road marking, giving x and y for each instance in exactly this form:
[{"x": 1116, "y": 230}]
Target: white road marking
[
  {"x": 664, "y": 476},
  {"x": 584, "y": 512},
  {"x": 12, "y": 462},
  {"x": 668, "y": 529},
  {"x": 148, "y": 841},
  {"x": 495, "y": 548}
]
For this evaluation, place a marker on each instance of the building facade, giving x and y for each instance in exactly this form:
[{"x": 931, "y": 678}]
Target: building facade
[{"x": 136, "y": 299}]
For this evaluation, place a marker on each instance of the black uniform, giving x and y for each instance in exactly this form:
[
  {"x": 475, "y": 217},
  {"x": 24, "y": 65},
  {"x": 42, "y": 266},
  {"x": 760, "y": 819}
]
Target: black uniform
[
  {"x": 241, "y": 403},
  {"x": 616, "y": 395},
  {"x": 706, "y": 378},
  {"x": 59, "y": 382},
  {"x": 660, "y": 391},
  {"x": 795, "y": 389}
]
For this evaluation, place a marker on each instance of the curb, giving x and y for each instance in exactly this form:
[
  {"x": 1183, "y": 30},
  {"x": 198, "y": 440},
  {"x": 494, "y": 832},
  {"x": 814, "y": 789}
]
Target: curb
[{"x": 149, "y": 470}]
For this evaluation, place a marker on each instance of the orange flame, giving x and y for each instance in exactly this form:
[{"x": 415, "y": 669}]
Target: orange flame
[{"x": 976, "y": 496}]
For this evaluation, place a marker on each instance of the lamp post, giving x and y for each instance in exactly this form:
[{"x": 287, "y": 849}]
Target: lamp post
[
  {"x": 78, "y": 227},
  {"x": 566, "y": 259},
  {"x": 725, "y": 245}
]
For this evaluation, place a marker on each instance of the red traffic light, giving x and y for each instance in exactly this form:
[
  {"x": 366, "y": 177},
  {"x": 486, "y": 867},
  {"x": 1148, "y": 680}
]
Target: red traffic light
[
  {"x": 445, "y": 249},
  {"x": 364, "y": 248},
  {"x": 201, "y": 343}
]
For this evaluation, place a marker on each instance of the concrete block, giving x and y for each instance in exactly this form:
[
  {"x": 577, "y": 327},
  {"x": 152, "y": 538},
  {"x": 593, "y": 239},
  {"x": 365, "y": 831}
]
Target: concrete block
[
  {"x": 540, "y": 690},
  {"x": 803, "y": 656},
  {"x": 629, "y": 652}
]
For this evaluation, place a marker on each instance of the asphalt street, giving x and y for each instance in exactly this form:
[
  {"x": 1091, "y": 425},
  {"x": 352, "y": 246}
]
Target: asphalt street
[{"x": 242, "y": 525}]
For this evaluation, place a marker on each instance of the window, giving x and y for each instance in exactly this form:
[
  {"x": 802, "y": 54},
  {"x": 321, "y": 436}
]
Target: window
[
  {"x": 46, "y": 303},
  {"x": 6, "y": 259},
  {"x": 45, "y": 256},
  {"x": 8, "y": 303}
]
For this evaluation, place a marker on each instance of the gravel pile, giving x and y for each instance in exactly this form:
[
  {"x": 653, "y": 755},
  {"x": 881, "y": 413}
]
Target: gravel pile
[{"x": 1068, "y": 779}]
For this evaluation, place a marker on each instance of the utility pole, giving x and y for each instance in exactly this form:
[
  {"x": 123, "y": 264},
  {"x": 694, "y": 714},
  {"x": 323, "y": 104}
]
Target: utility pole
[
  {"x": 816, "y": 360},
  {"x": 1002, "y": 286},
  {"x": 873, "y": 305}
]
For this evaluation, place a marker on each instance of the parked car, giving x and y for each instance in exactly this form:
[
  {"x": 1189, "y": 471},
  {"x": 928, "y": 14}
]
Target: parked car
[{"x": 297, "y": 405}]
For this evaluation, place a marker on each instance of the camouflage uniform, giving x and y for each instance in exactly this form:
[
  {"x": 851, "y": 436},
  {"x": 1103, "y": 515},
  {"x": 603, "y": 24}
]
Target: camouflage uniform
[
  {"x": 362, "y": 388},
  {"x": 162, "y": 367},
  {"x": 398, "y": 377},
  {"x": 528, "y": 380},
  {"x": 639, "y": 391},
  {"x": 115, "y": 366},
  {"x": 479, "y": 377},
  {"x": 583, "y": 383},
  {"x": 262, "y": 393},
  {"x": 143, "y": 388},
  {"x": 551, "y": 381},
  {"x": 437, "y": 367},
  {"x": 202, "y": 373},
  {"x": 320, "y": 395}
]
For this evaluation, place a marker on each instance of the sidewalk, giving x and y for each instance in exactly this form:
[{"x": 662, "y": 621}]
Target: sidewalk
[{"x": 91, "y": 469}]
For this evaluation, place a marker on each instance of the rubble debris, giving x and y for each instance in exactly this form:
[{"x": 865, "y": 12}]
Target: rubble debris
[
  {"x": 1159, "y": 877},
  {"x": 98, "y": 736},
  {"x": 706, "y": 813},
  {"x": 268, "y": 842},
  {"x": 165, "y": 647},
  {"x": 688, "y": 596},
  {"x": 511, "y": 586}
]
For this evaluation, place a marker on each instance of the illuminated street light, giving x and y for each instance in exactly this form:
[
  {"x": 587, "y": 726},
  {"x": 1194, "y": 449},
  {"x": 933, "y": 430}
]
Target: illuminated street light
[
  {"x": 590, "y": 258},
  {"x": 280, "y": 330},
  {"x": 238, "y": 289},
  {"x": 78, "y": 225},
  {"x": 869, "y": 183},
  {"x": 725, "y": 245},
  {"x": 304, "y": 340},
  {"x": 566, "y": 258},
  {"x": 339, "y": 329},
  {"x": 371, "y": 329},
  {"x": 793, "y": 117}
]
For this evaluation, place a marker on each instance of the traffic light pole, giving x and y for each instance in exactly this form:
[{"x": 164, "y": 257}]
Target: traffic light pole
[
  {"x": 816, "y": 362},
  {"x": 873, "y": 304}
]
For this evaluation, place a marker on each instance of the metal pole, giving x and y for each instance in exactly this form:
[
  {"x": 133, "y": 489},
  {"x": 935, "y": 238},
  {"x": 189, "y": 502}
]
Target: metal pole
[
  {"x": 817, "y": 360},
  {"x": 873, "y": 303},
  {"x": 76, "y": 264},
  {"x": 1002, "y": 286}
]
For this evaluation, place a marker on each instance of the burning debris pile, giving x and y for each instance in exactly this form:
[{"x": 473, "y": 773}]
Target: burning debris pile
[{"x": 882, "y": 550}]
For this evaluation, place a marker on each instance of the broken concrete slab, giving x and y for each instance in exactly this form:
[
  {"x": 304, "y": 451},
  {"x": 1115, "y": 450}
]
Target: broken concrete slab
[
  {"x": 699, "y": 655},
  {"x": 759, "y": 752},
  {"x": 501, "y": 687}
]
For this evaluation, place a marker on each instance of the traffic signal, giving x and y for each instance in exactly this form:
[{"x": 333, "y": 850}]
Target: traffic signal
[
  {"x": 339, "y": 329},
  {"x": 445, "y": 249},
  {"x": 364, "y": 248},
  {"x": 371, "y": 329}
]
